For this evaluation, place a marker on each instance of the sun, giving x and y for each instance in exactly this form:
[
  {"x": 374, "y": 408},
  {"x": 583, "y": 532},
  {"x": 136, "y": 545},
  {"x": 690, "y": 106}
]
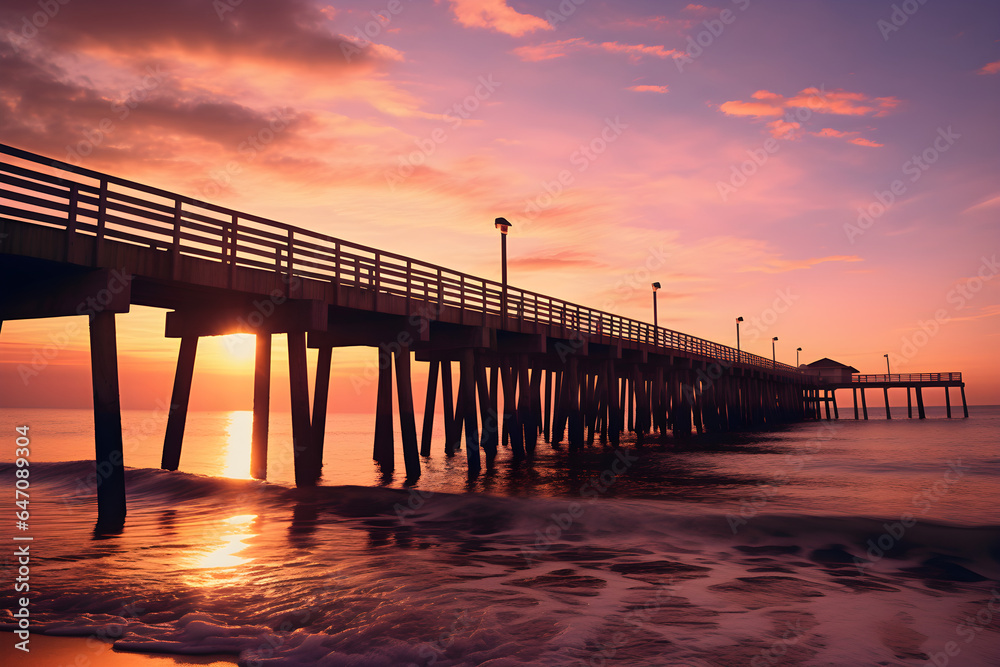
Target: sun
[{"x": 239, "y": 347}]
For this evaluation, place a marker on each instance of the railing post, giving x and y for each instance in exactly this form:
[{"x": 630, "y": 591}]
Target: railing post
[
  {"x": 102, "y": 212},
  {"x": 288, "y": 267},
  {"x": 486, "y": 297},
  {"x": 461, "y": 297},
  {"x": 336, "y": 273},
  {"x": 440, "y": 291},
  {"x": 409, "y": 280},
  {"x": 74, "y": 197},
  {"x": 175, "y": 246},
  {"x": 232, "y": 250},
  {"x": 376, "y": 278}
]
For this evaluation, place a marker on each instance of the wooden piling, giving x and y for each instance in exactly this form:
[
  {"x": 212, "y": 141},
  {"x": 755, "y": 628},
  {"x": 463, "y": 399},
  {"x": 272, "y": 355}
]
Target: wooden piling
[
  {"x": 109, "y": 459},
  {"x": 451, "y": 428},
  {"x": 854, "y": 390},
  {"x": 547, "y": 408},
  {"x": 261, "y": 406},
  {"x": 490, "y": 435},
  {"x": 177, "y": 416},
  {"x": 965, "y": 407},
  {"x": 836, "y": 412},
  {"x": 574, "y": 415},
  {"x": 888, "y": 412},
  {"x": 407, "y": 421},
  {"x": 321, "y": 396},
  {"x": 428, "y": 426},
  {"x": 947, "y": 401},
  {"x": 303, "y": 445},
  {"x": 515, "y": 434},
  {"x": 383, "y": 452},
  {"x": 909, "y": 404},
  {"x": 467, "y": 389},
  {"x": 920, "y": 403},
  {"x": 864, "y": 406}
]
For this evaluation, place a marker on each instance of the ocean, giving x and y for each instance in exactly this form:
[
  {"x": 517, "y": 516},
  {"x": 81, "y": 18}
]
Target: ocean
[{"x": 822, "y": 543}]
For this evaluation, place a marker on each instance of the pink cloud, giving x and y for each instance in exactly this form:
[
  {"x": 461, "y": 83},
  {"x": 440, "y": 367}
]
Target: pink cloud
[
  {"x": 756, "y": 109},
  {"x": 551, "y": 50},
  {"x": 837, "y": 102},
  {"x": 782, "y": 129},
  {"x": 991, "y": 68},
  {"x": 861, "y": 141},
  {"x": 831, "y": 133},
  {"x": 548, "y": 50},
  {"x": 496, "y": 15},
  {"x": 648, "y": 89},
  {"x": 784, "y": 265}
]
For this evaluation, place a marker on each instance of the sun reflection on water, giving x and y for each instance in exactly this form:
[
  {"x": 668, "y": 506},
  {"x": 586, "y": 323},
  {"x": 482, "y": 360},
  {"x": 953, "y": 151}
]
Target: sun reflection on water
[
  {"x": 223, "y": 542},
  {"x": 236, "y": 449}
]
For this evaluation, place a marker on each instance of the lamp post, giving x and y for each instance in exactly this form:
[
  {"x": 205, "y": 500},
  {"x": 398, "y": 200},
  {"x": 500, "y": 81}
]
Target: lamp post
[
  {"x": 888, "y": 372},
  {"x": 797, "y": 350},
  {"x": 774, "y": 361},
  {"x": 656, "y": 286},
  {"x": 504, "y": 226},
  {"x": 738, "y": 320}
]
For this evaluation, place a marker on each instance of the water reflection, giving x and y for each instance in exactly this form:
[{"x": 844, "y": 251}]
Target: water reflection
[
  {"x": 223, "y": 542},
  {"x": 236, "y": 448}
]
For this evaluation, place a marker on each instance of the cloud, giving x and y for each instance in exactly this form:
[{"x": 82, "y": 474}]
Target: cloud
[
  {"x": 861, "y": 141},
  {"x": 496, "y": 15},
  {"x": 836, "y": 102},
  {"x": 294, "y": 33},
  {"x": 785, "y": 265},
  {"x": 991, "y": 68},
  {"x": 559, "y": 49},
  {"x": 765, "y": 104},
  {"x": 649, "y": 89},
  {"x": 565, "y": 259}
]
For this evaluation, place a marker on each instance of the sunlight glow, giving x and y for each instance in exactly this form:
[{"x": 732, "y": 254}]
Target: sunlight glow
[
  {"x": 236, "y": 453},
  {"x": 224, "y": 541}
]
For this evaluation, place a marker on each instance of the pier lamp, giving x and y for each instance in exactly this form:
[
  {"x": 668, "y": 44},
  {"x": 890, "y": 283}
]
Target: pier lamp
[
  {"x": 797, "y": 350},
  {"x": 774, "y": 362},
  {"x": 738, "y": 320},
  {"x": 888, "y": 372},
  {"x": 656, "y": 286},
  {"x": 504, "y": 226}
]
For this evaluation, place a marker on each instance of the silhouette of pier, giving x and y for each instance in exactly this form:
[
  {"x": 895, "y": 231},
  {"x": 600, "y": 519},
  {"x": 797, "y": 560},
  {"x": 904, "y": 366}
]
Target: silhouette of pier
[{"x": 77, "y": 242}]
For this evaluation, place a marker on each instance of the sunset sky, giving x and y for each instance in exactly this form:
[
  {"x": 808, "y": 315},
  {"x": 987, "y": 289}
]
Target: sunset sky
[{"x": 826, "y": 170}]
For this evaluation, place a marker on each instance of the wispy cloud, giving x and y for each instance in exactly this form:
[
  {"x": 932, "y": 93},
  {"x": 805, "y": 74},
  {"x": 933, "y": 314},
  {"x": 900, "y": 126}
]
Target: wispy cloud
[
  {"x": 496, "y": 15},
  {"x": 559, "y": 49},
  {"x": 991, "y": 68},
  {"x": 645, "y": 88},
  {"x": 785, "y": 265}
]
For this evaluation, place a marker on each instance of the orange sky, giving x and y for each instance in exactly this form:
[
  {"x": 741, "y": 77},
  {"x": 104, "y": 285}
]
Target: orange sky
[{"x": 745, "y": 155}]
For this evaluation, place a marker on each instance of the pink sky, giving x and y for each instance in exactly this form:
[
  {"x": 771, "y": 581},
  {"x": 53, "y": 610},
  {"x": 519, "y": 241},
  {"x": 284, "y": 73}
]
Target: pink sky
[{"x": 725, "y": 150}]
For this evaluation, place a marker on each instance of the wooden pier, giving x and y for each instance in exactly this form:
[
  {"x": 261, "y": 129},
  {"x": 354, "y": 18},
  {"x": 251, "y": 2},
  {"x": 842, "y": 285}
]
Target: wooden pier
[
  {"x": 512, "y": 365},
  {"x": 911, "y": 382}
]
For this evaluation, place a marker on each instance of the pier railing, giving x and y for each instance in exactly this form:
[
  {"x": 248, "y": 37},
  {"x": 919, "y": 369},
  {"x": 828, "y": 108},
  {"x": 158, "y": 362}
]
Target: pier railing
[
  {"x": 108, "y": 208},
  {"x": 908, "y": 377}
]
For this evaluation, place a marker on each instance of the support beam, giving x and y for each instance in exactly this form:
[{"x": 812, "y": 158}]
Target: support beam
[
  {"x": 864, "y": 405},
  {"x": 451, "y": 429},
  {"x": 490, "y": 438},
  {"x": 467, "y": 388},
  {"x": 407, "y": 423},
  {"x": 547, "y": 415},
  {"x": 321, "y": 391},
  {"x": 888, "y": 412},
  {"x": 920, "y": 404},
  {"x": 428, "y": 428},
  {"x": 965, "y": 406},
  {"x": 177, "y": 416},
  {"x": 947, "y": 401},
  {"x": 833, "y": 395},
  {"x": 107, "y": 423},
  {"x": 261, "y": 406},
  {"x": 383, "y": 452},
  {"x": 909, "y": 404},
  {"x": 303, "y": 445},
  {"x": 855, "y": 391}
]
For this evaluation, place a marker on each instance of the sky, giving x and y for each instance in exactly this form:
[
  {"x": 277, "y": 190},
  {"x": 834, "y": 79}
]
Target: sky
[{"x": 826, "y": 170}]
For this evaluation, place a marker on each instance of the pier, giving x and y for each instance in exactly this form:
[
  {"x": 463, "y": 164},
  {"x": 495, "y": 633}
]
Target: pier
[{"x": 511, "y": 366}]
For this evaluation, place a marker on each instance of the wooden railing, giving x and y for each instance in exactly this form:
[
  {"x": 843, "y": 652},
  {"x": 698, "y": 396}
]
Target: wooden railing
[
  {"x": 909, "y": 377},
  {"x": 83, "y": 201}
]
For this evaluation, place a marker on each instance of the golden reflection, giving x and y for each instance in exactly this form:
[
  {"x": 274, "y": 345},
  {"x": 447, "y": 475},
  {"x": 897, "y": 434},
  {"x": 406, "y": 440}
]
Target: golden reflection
[
  {"x": 222, "y": 543},
  {"x": 236, "y": 450}
]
